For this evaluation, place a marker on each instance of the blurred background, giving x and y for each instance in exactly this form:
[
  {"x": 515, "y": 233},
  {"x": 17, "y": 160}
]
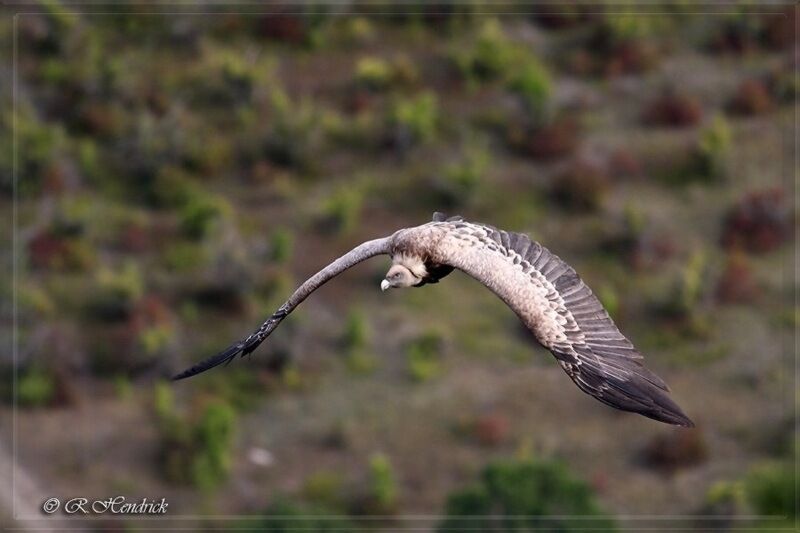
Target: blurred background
[{"x": 179, "y": 173}]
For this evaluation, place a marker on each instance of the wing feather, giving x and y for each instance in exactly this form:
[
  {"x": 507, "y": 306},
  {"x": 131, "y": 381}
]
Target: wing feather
[
  {"x": 356, "y": 255},
  {"x": 563, "y": 313}
]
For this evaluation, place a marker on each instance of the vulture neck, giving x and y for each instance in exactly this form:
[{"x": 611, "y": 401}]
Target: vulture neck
[{"x": 412, "y": 262}]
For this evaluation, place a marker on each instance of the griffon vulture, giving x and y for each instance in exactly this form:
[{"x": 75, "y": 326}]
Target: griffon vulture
[{"x": 544, "y": 291}]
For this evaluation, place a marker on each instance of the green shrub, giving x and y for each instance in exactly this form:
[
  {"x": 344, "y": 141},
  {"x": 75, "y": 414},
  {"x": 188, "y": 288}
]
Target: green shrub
[
  {"x": 415, "y": 118},
  {"x": 342, "y": 210},
  {"x": 36, "y": 387},
  {"x": 424, "y": 356},
  {"x": 356, "y": 30},
  {"x": 35, "y": 299},
  {"x": 281, "y": 244},
  {"x": 214, "y": 437},
  {"x": 373, "y": 73},
  {"x": 382, "y": 484},
  {"x": 354, "y": 342},
  {"x": 355, "y": 330},
  {"x": 285, "y": 516},
  {"x": 207, "y": 153},
  {"x": 361, "y": 362},
  {"x": 324, "y": 488},
  {"x": 201, "y": 214},
  {"x": 242, "y": 387},
  {"x": 197, "y": 453},
  {"x": 123, "y": 387},
  {"x": 379, "y": 74},
  {"x": 39, "y": 145},
  {"x": 156, "y": 338},
  {"x": 495, "y": 57},
  {"x": 525, "y": 495},
  {"x": 705, "y": 161},
  {"x": 90, "y": 161},
  {"x": 532, "y": 82},
  {"x": 724, "y": 494},
  {"x": 626, "y": 27},
  {"x": 115, "y": 292},
  {"x": 185, "y": 257},
  {"x": 225, "y": 77},
  {"x": 771, "y": 490},
  {"x": 293, "y": 136},
  {"x": 683, "y": 301},
  {"x": 713, "y": 146},
  {"x": 163, "y": 403},
  {"x": 172, "y": 187},
  {"x": 462, "y": 180},
  {"x": 490, "y": 57}
]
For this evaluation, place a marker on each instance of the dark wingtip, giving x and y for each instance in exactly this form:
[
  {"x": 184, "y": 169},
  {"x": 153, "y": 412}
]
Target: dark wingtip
[
  {"x": 225, "y": 356},
  {"x": 676, "y": 419},
  {"x": 640, "y": 395},
  {"x": 666, "y": 410},
  {"x": 682, "y": 420}
]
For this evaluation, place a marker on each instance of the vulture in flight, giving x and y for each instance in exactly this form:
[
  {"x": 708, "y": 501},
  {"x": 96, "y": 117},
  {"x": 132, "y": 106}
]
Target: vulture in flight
[{"x": 546, "y": 294}]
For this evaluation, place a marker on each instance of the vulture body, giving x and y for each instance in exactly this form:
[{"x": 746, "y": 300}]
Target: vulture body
[{"x": 546, "y": 294}]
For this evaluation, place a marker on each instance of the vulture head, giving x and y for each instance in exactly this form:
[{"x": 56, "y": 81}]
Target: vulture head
[{"x": 400, "y": 277}]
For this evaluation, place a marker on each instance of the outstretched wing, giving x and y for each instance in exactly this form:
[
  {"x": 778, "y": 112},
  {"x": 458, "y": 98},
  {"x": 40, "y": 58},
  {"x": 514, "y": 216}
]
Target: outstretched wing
[
  {"x": 243, "y": 347},
  {"x": 560, "y": 309}
]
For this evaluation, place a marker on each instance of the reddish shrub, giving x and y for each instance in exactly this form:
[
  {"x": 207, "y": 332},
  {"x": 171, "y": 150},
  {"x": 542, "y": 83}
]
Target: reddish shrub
[
  {"x": 779, "y": 29},
  {"x": 99, "y": 120},
  {"x": 55, "y": 179},
  {"x": 581, "y": 63},
  {"x": 583, "y": 186},
  {"x": 752, "y": 98},
  {"x": 65, "y": 392},
  {"x": 734, "y": 39},
  {"x": 490, "y": 429},
  {"x": 285, "y": 27},
  {"x": 54, "y": 250},
  {"x": 562, "y": 16},
  {"x": 737, "y": 284},
  {"x": 759, "y": 222},
  {"x": 605, "y": 55},
  {"x": 681, "y": 448},
  {"x": 135, "y": 238},
  {"x": 674, "y": 109},
  {"x": 623, "y": 163},
  {"x": 152, "y": 310},
  {"x": 554, "y": 140},
  {"x": 261, "y": 171},
  {"x": 157, "y": 100},
  {"x": 629, "y": 57},
  {"x": 599, "y": 481},
  {"x": 649, "y": 251},
  {"x": 745, "y": 34},
  {"x": 359, "y": 100}
]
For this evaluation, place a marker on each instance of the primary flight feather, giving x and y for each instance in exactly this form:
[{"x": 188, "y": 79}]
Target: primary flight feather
[{"x": 545, "y": 293}]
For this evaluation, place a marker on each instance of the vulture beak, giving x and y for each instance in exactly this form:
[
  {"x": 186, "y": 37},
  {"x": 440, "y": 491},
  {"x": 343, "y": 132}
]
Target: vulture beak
[{"x": 384, "y": 285}]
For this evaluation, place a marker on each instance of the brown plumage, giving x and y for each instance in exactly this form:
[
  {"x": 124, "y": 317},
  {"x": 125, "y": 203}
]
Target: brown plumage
[{"x": 546, "y": 294}]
